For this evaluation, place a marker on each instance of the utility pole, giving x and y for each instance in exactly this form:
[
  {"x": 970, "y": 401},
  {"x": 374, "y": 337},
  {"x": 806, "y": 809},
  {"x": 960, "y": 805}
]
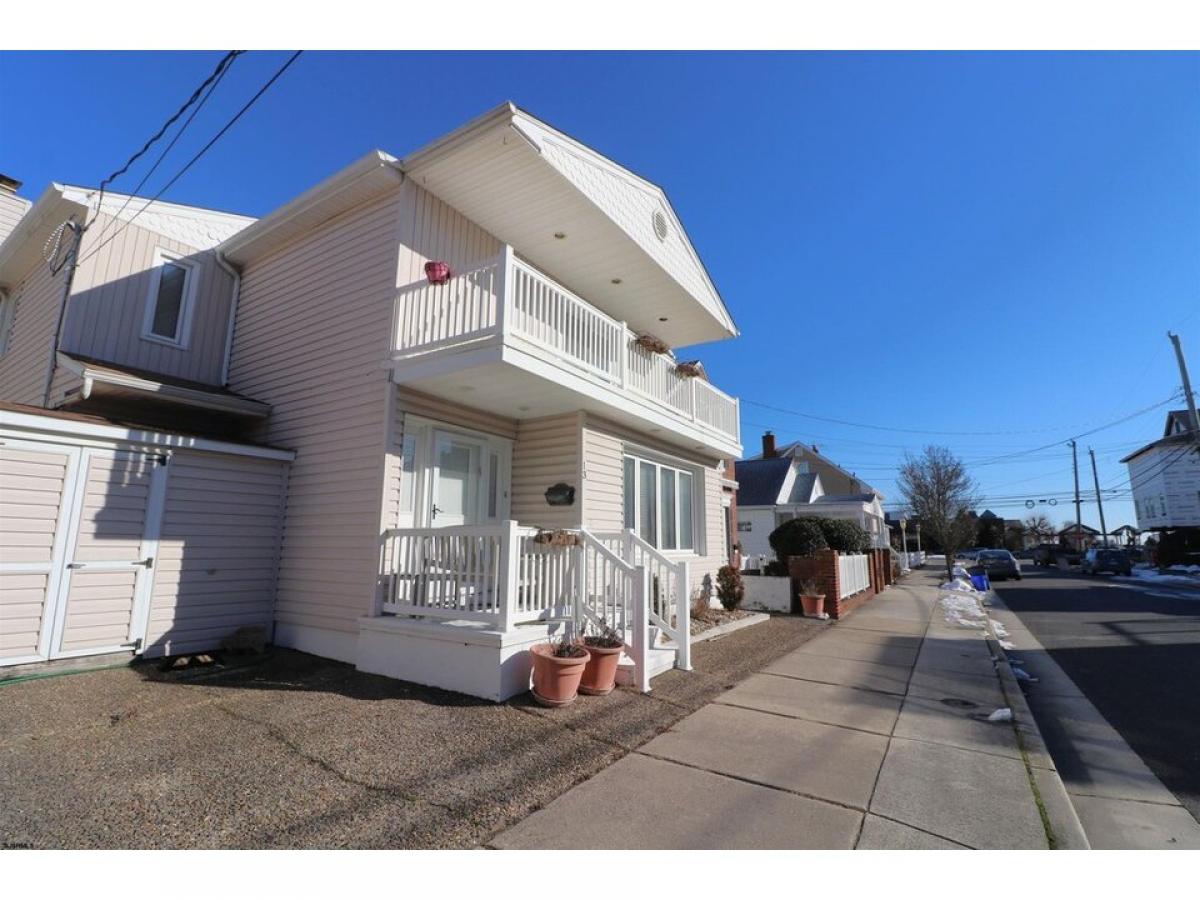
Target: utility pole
[
  {"x": 1193, "y": 418},
  {"x": 1099, "y": 502},
  {"x": 1078, "y": 514}
]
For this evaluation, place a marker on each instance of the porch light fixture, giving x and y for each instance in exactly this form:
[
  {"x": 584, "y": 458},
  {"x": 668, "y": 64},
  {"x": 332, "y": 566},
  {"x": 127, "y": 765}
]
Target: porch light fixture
[{"x": 437, "y": 272}]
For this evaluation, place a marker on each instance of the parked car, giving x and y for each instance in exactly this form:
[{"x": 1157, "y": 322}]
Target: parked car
[
  {"x": 969, "y": 553},
  {"x": 1105, "y": 559},
  {"x": 1050, "y": 554},
  {"x": 1000, "y": 565}
]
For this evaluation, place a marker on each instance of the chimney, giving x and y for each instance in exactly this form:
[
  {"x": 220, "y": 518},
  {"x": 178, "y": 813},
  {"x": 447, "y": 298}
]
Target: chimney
[
  {"x": 769, "y": 445},
  {"x": 9, "y": 185}
]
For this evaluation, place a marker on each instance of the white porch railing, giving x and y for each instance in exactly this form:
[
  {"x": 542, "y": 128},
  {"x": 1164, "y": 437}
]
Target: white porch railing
[
  {"x": 500, "y": 575},
  {"x": 854, "y": 574},
  {"x": 509, "y": 297}
]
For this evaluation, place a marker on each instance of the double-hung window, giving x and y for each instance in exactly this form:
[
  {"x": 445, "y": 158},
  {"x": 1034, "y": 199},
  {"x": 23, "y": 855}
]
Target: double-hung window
[
  {"x": 660, "y": 503},
  {"x": 169, "y": 304}
]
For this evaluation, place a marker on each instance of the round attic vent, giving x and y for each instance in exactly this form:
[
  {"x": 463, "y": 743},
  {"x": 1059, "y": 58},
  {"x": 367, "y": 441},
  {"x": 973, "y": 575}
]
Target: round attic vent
[{"x": 660, "y": 225}]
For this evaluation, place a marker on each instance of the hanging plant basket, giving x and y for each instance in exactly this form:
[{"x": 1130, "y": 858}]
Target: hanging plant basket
[
  {"x": 652, "y": 343},
  {"x": 692, "y": 369},
  {"x": 557, "y": 538},
  {"x": 437, "y": 272}
]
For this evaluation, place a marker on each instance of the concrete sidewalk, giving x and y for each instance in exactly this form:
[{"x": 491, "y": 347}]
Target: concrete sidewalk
[{"x": 872, "y": 735}]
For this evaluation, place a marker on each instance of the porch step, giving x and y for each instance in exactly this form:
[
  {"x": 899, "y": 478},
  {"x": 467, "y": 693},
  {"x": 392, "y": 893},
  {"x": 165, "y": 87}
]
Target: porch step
[{"x": 661, "y": 659}]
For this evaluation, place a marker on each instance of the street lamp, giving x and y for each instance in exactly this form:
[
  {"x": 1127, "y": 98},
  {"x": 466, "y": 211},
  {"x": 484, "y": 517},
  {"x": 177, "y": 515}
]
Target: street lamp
[{"x": 904, "y": 539}]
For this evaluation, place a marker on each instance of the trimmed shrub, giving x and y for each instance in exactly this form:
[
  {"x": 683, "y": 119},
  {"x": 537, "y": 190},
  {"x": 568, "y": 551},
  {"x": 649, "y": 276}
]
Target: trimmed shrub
[
  {"x": 845, "y": 536},
  {"x": 797, "y": 537},
  {"x": 730, "y": 588},
  {"x": 775, "y": 569}
]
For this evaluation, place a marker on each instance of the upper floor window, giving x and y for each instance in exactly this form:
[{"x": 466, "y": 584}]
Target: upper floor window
[
  {"x": 169, "y": 304},
  {"x": 7, "y": 303}
]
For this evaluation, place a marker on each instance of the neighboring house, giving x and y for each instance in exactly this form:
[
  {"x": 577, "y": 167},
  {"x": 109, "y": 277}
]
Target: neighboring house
[
  {"x": 784, "y": 484},
  {"x": 1165, "y": 477},
  {"x": 473, "y": 463},
  {"x": 1127, "y": 535},
  {"x": 1079, "y": 537},
  {"x": 12, "y": 207}
]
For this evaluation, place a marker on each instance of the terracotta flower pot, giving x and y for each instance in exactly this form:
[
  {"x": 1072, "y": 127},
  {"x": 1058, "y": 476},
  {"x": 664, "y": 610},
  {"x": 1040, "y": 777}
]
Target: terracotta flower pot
[
  {"x": 556, "y": 678},
  {"x": 812, "y": 604},
  {"x": 600, "y": 673}
]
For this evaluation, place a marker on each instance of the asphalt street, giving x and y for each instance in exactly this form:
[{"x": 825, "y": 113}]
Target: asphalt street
[{"x": 1133, "y": 649}]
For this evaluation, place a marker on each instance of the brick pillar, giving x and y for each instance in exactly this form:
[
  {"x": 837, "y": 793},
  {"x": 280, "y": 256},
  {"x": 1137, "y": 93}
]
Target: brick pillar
[{"x": 822, "y": 568}]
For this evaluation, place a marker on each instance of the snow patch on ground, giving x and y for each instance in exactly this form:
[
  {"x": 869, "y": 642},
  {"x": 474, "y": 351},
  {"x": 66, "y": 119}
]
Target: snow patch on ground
[
  {"x": 1004, "y": 714},
  {"x": 963, "y": 610},
  {"x": 998, "y": 628},
  {"x": 1176, "y": 575}
]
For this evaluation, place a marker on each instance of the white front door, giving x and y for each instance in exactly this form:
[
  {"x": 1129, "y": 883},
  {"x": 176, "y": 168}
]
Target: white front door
[{"x": 457, "y": 481}]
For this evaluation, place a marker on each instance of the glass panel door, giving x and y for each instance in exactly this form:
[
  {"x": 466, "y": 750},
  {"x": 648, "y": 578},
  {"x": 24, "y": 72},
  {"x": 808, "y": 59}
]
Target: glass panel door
[{"x": 457, "y": 476}]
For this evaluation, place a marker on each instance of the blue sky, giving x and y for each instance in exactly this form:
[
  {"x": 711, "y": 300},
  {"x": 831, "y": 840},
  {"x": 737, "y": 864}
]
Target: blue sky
[{"x": 945, "y": 242}]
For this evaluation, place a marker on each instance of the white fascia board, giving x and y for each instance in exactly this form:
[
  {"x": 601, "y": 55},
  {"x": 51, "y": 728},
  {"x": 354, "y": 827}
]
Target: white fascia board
[
  {"x": 789, "y": 482},
  {"x": 188, "y": 396},
  {"x": 232, "y": 249},
  {"x": 30, "y": 425},
  {"x": 49, "y": 210}
]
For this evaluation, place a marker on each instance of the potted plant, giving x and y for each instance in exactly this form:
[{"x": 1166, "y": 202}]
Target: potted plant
[
  {"x": 812, "y": 601},
  {"x": 604, "y": 646},
  {"x": 557, "y": 668},
  {"x": 653, "y": 344}
]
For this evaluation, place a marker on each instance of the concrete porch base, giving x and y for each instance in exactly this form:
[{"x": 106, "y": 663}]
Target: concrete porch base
[{"x": 468, "y": 657}]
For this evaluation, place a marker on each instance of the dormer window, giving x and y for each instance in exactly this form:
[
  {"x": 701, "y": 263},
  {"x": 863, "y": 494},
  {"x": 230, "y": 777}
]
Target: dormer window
[{"x": 169, "y": 304}]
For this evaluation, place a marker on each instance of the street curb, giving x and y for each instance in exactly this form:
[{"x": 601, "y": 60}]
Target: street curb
[{"x": 1057, "y": 809}]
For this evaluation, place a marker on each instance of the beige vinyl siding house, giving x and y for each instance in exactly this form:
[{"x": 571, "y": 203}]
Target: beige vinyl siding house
[
  {"x": 109, "y": 295},
  {"x": 422, "y": 476},
  {"x": 310, "y": 335},
  {"x": 35, "y": 299},
  {"x": 12, "y": 207}
]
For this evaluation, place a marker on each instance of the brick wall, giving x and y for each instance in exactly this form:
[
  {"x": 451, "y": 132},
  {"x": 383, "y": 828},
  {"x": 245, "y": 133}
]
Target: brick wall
[{"x": 822, "y": 567}]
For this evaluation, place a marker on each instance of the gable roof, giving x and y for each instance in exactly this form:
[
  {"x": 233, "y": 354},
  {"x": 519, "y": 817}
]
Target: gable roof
[
  {"x": 799, "y": 450},
  {"x": 761, "y": 480},
  {"x": 194, "y": 226},
  {"x": 617, "y": 225}
]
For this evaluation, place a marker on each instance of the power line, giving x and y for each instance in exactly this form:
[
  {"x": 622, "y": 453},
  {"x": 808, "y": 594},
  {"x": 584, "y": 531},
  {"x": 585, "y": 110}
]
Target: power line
[
  {"x": 216, "y": 74},
  {"x": 191, "y": 162},
  {"x": 223, "y": 70}
]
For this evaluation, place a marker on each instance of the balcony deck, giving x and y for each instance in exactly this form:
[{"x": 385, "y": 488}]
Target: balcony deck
[{"x": 523, "y": 345}]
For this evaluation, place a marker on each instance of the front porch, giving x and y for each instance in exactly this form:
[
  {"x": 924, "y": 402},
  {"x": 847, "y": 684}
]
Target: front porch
[{"x": 459, "y": 606}]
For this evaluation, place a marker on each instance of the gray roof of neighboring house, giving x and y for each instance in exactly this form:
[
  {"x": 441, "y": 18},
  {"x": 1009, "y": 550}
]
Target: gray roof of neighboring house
[
  {"x": 846, "y": 498},
  {"x": 761, "y": 480},
  {"x": 802, "y": 488}
]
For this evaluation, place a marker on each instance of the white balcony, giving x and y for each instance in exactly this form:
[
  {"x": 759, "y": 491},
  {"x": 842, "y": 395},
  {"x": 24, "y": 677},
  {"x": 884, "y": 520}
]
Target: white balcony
[{"x": 508, "y": 338}]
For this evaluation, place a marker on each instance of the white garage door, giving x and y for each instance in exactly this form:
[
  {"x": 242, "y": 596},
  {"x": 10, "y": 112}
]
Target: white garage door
[{"x": 78, "y": 531}]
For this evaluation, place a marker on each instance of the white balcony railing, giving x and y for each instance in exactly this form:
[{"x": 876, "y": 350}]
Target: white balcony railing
[
  {"x": 500, "y": 575},
  {"x": 507, "y": 297}
]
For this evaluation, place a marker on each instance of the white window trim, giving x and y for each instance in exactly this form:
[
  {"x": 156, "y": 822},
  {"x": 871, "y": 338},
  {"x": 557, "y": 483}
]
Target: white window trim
[
  {"x": 191, "y": 273},
  {"x": 662, "y": 461}
]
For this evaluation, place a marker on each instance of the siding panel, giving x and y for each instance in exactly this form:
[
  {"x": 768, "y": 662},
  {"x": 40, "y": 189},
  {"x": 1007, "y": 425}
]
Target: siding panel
[
  {"x": 23, "y": 368},
  {"x": 217, "y": 555},
  {"x": 331, "y": 288},
  {"x": 109, "y": 296}
]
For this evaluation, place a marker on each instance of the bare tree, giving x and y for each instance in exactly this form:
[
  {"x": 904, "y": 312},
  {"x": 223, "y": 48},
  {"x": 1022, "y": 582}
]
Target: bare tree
[
  {"x": 1039, "y": 528},
  {"x": 939, "y": 492}
]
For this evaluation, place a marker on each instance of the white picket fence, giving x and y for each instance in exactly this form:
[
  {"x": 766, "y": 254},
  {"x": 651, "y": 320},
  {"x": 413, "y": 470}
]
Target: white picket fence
[{"x": 854, "y": 574}]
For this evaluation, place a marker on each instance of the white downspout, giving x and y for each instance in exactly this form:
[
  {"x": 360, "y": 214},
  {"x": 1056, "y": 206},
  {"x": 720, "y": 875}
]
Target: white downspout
[{"x": 233, "y": 308}]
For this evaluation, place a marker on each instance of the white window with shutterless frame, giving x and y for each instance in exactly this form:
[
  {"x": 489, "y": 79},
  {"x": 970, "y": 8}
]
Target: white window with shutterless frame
[
  {"x": 660, "y": 502},
  {"x": 170, "y": 301}
]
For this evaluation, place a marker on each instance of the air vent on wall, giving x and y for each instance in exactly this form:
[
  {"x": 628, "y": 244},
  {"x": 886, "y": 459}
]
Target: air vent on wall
[{"x": 660, "y": 225}]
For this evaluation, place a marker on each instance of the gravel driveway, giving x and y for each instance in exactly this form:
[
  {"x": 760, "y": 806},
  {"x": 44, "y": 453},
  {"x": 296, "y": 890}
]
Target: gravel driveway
[{"x": 297, "y": 751}]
